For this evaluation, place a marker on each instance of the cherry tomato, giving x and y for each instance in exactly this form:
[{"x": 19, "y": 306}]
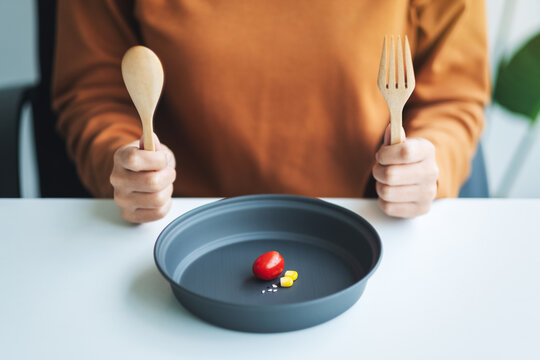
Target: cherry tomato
[{"x": 268, "y": 266}]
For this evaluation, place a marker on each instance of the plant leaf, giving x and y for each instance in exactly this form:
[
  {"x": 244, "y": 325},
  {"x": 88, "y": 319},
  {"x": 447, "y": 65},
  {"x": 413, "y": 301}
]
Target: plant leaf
[{"x": 517, "y": 87}]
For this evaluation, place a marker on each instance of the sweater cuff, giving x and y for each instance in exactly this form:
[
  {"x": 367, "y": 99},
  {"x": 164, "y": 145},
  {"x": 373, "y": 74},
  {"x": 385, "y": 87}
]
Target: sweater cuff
[
  {"x": 453, "y": 163},
  {"x": 95, "y": 159}
]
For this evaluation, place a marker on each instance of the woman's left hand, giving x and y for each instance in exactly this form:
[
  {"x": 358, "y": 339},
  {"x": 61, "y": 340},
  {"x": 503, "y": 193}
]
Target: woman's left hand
[{"x": 406, "y": 176}]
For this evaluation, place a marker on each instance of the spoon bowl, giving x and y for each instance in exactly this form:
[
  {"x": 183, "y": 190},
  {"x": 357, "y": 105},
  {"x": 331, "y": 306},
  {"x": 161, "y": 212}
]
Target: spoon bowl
[{"x": 143, "y": 75}]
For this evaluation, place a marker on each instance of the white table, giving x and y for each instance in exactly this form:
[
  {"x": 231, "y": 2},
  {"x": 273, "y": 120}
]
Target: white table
[{"x": 462, "y": 282}]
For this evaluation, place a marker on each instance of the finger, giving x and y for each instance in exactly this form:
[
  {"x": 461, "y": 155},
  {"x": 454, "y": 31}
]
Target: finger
[
  {"x": 137, "y": 200},
  {"x": 144, "y": 181},
  {"x": 406, "y": 193},
  {"x": 171, "y": 161},
  {"x": 406, "y": 174},
  {"x": 410, "y": 151},
  {"x": 404, "y": 210},
  {"x": 146, "y": 215},
  {"x": 134, "y": 159},
  {"x": 387, "y": 135}
]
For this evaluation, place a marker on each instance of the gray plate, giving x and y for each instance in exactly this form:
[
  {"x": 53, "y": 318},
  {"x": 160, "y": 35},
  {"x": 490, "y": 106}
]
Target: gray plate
[{"x": 207, "y": 253}]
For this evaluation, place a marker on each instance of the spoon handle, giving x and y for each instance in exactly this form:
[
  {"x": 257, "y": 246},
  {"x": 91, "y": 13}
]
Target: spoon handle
[{"x": 148, "y": 131}]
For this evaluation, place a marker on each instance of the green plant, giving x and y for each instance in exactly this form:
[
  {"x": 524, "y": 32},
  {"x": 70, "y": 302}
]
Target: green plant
[{"x": 517, "y": 89}]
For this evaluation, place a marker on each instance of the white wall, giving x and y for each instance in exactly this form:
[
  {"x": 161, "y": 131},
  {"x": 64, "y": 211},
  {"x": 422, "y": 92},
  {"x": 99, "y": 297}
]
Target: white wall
[
  {"x": 503, "y": 132},
  {"x": 17, "y": 42}
]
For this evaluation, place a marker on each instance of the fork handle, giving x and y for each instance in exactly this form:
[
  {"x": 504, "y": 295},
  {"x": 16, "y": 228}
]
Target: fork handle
[{"x": 396, "y": 115}]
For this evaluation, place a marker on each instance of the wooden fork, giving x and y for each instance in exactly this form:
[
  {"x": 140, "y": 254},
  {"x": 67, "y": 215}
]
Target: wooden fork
[{"x": 396, "y": 93}]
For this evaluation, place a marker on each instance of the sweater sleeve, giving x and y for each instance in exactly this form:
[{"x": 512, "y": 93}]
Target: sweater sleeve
[
  {"x": 95, "y": 113},
  {"x": 452, "y": 84}
]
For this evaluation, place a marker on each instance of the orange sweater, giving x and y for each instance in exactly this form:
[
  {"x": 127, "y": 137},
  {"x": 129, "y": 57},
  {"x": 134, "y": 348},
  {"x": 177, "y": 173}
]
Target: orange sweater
[{"x": 270, "y": 96}]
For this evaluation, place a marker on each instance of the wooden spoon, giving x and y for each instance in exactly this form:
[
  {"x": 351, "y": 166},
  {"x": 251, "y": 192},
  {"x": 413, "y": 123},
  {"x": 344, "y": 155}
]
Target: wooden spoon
[{"x": 143, "y": 76}]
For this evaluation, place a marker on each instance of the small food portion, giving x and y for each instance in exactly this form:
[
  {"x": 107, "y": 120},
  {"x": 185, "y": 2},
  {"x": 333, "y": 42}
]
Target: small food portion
[
  {"x": 268, "y": 266},
  {"x": 286, "y": 281},
  {"x": 292, "y": 274}
]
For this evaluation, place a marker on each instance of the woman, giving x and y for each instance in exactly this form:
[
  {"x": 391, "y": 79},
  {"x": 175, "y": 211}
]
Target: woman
[{"x": 271, "y": 97}]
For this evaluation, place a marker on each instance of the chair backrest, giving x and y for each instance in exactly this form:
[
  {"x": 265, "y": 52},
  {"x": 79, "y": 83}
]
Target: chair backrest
[
  {"x": 58, "y": 177},
  {"x": 477, "y": 184}
]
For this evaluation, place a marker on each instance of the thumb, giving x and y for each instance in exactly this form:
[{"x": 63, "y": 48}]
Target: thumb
[
  {"x": 156, "y": 142},
  {"x": 387, "y": 136}
]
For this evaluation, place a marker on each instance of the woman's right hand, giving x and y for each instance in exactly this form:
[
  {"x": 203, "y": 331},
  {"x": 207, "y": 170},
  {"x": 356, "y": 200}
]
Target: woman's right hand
[{"x": 143, "y": 181}]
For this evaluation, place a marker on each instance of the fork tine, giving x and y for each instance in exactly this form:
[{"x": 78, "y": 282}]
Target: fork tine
[
  {"x": 392, "y": 65},
  {"x": 383, "y": 68},
  {"x": 411, "y": 82},
  {"x": 400, "y": 70}
]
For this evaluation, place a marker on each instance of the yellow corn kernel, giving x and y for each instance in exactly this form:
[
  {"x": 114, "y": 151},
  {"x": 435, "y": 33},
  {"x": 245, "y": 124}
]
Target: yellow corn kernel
[
  {"x": 286, "y": 281},
  {"x": 292, "y": 274}
]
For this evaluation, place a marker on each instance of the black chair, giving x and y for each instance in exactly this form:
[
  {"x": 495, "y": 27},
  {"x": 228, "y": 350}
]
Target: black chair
[{"x": 57, "y": 174}]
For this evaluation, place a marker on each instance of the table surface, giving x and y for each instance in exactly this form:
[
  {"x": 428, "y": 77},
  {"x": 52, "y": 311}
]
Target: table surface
[{"x": 462, "y": 282}]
